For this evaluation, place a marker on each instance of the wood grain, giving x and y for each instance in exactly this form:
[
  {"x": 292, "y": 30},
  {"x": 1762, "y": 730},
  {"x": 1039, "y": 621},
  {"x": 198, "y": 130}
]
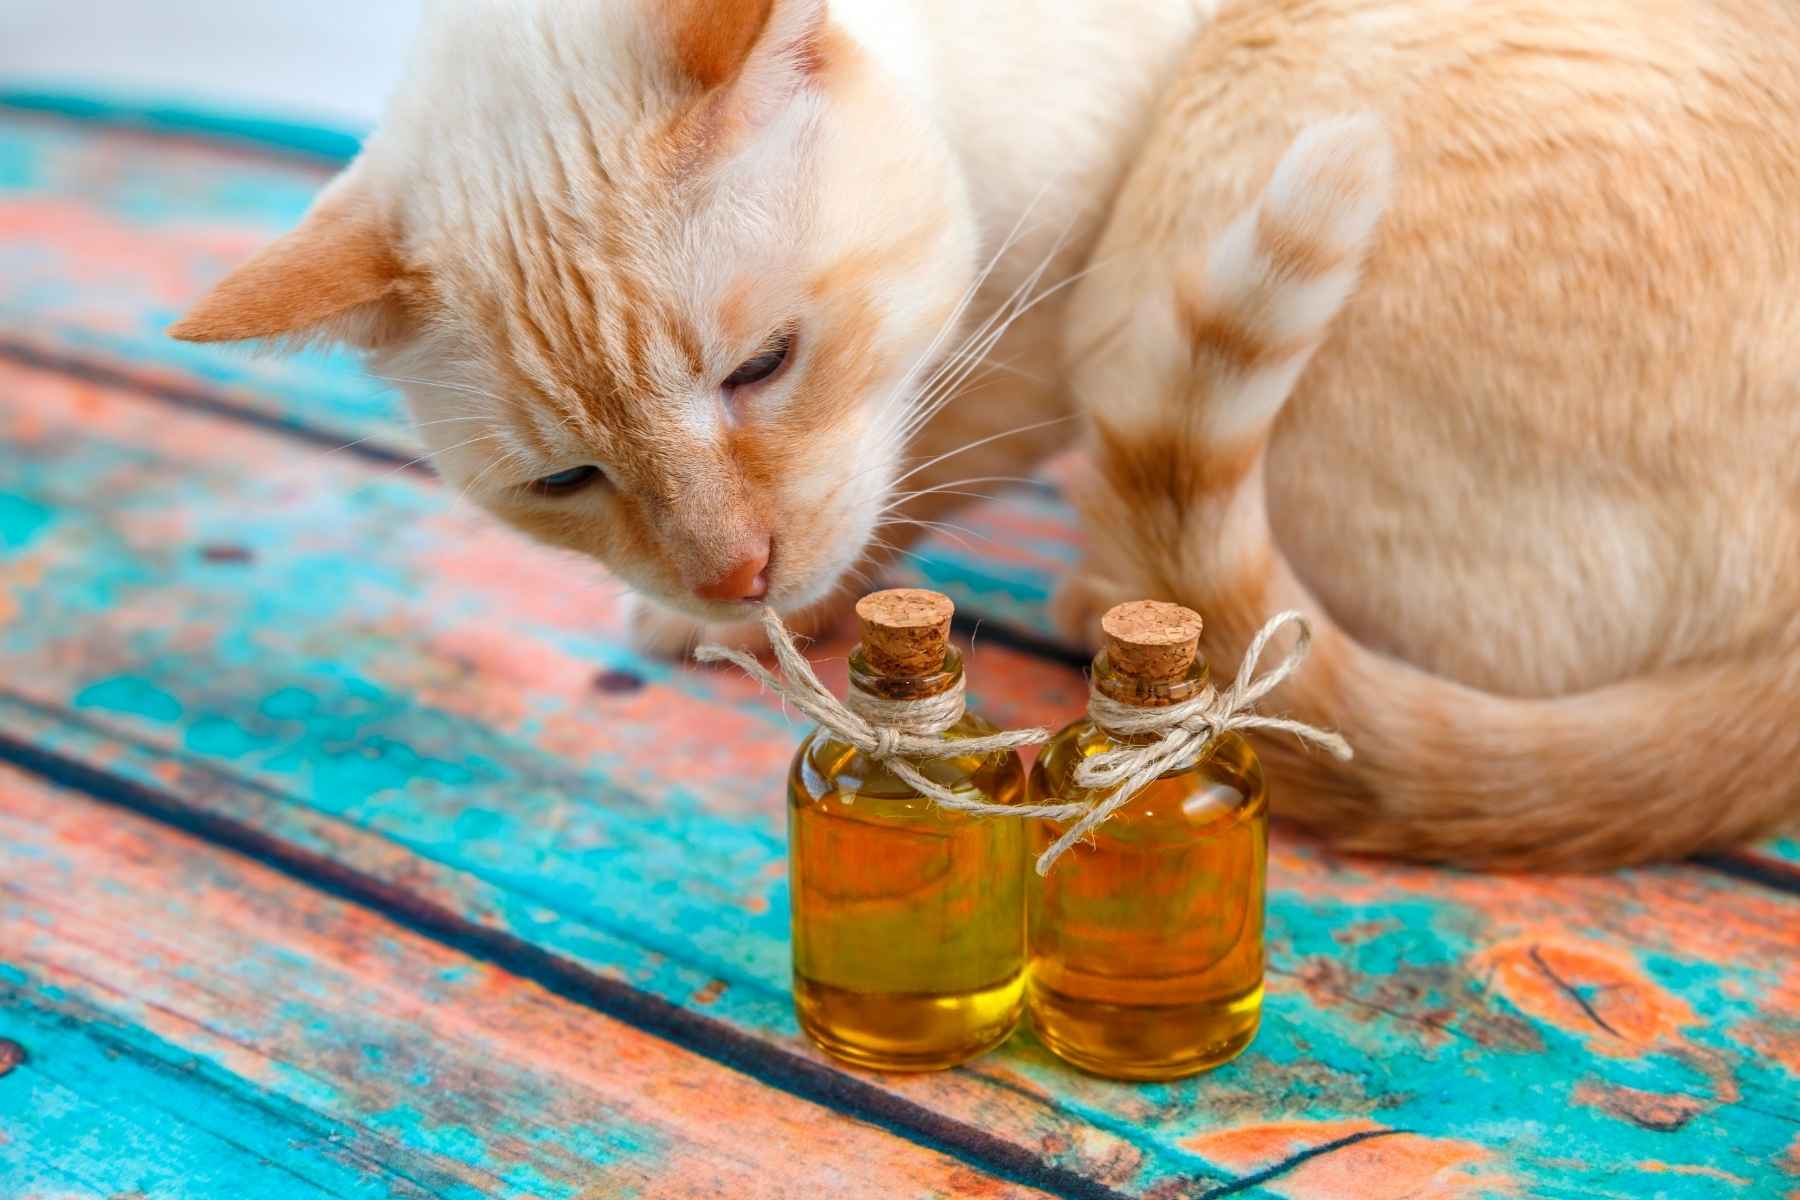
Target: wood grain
[
  {"x": 356, "y": 670},
  {"x": 216, "y": 1029}
]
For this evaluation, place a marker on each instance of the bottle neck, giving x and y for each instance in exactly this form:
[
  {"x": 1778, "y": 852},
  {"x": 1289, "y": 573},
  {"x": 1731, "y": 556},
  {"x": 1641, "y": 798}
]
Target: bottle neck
[
  {"x": 865, "y": 678},
  {"x": 923, "y": 705},
  {"x": 1139, "y": 692}
]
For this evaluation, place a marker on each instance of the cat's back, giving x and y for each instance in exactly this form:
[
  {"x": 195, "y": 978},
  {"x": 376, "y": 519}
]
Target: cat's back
[
  {"x": 1470, "y": 92},
  {"x": 1575, "y": 358}
]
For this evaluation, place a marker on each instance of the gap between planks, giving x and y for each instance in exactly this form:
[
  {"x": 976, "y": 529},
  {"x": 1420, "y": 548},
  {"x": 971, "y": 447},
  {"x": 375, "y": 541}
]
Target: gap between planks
[
  {"x": 1746, "y": 865},
  {"x": 769, "y": 1065}
]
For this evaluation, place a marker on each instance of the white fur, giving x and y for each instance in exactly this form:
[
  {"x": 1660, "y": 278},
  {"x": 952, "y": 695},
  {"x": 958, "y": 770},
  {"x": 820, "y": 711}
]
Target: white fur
[{"x": 1330, "y": 188}]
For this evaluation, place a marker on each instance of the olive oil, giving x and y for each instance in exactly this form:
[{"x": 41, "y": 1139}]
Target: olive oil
[
  {"x": 908, "y": 919},
  {"x": 1146, "y": 946}
]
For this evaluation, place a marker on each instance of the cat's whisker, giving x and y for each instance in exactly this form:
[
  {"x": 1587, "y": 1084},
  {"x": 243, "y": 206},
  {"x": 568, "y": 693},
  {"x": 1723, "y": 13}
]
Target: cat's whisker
[
  {"x": 959, "y": 534},
  {"x": 860, "y": 575},
  {"x": 961, "y": 392},
  {"x": 1023, "y": 289},
  {"x": 907, "y": 381},
  {"x": 402, "y": 380},
  {"x": 1012, "y": 238},
  {"x": 1025, "y": 480},
  {"x": 949, "y": 386},
  {"x": 884, "y": 544},
  {"x": 976, "y": 445},
  {"x": 927, "y": 401},
  {"x": 911, "y": 496},
  {"x": 937, "y": 525},
  {"x": 509, "y": 456},
  {"x": 433, "y": 455},
  {"x": 955, "y": 488},
  {"x": 384, "y": 433}
]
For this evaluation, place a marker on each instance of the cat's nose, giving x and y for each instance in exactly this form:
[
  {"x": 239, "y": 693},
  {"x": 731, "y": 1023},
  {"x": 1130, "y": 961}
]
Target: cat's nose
[{"x": 748, "y": 579}]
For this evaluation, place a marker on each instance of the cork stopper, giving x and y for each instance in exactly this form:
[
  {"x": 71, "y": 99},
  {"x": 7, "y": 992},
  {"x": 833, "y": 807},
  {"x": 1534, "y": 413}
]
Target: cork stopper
[
  {"x": 905, "y": 631},
  {"x": 1150, "y": 640}
]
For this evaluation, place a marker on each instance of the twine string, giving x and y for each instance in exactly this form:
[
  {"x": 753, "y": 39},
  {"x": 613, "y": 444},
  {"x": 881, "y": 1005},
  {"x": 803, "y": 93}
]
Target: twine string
[
  {"x": 1183, "y": 731},
  {"x": 898, "y": 734}
]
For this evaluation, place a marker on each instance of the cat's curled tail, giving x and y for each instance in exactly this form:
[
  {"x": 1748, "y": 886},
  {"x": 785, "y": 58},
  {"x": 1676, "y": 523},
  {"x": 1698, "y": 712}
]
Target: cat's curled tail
[{"x": 1653, "y": 767}]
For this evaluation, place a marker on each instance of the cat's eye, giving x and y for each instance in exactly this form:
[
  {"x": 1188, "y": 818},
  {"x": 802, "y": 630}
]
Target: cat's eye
[
  {"x": 770, "y": 359},
  {"x": 566, "y": 483}
]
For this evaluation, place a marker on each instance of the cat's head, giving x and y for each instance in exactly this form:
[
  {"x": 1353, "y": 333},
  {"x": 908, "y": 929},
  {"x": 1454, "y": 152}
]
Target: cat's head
[{"x": 661, "y": 276}]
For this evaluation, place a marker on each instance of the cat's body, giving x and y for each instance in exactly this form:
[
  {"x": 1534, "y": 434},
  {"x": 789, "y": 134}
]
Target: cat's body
[
  {"x": 1553, "y": 439},
  {"x": 1541, "y": 483},
  {"x": 1547, "y": 448}
]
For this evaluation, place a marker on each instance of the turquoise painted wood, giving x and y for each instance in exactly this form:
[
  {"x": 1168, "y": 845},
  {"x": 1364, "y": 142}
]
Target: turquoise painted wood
[
  {"x": 318, "y": 655},
  {"x": 409, "y": 695},
  {"x": 189, "y": 1024}
]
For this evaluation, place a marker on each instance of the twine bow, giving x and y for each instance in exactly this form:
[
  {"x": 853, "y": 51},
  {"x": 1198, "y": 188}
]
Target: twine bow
[
  {"x": 895, "y": 733},
  {"x": 1185, "y": 730},
  {"x": 898, "y": 733}
]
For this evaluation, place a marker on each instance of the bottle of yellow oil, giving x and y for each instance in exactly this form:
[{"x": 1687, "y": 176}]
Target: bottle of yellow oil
[
  {"x": 1146, "y": 944},
  {"x": 908, "y": 918}
]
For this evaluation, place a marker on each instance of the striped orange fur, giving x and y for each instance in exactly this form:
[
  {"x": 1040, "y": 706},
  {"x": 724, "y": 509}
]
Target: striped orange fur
[{"x": 1673, "y": 758}]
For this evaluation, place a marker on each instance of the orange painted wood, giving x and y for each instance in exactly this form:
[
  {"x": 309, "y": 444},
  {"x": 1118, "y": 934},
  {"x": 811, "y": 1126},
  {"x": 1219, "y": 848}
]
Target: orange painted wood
[
  {"x": 376, "y": 1047},
  {"x": 1414, "y": 1000}
]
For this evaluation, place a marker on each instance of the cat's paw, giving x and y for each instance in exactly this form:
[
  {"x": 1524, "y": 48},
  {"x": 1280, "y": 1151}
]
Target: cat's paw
[{"x": 1076, "y": 606}]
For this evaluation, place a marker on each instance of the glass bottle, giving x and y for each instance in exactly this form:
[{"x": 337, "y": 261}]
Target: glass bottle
[
  {"x": 1146, "y": 946},
  {"x": 908, "y": 918}
]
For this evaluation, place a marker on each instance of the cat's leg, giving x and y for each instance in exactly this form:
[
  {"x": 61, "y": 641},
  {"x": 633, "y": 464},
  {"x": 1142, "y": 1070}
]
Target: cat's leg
[{"x": 1095, "y": 584}]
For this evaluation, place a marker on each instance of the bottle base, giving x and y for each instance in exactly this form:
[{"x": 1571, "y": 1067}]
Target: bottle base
[
  {"x": 1144, "y": 1043},
  {"x": 908, "y": 1031}
]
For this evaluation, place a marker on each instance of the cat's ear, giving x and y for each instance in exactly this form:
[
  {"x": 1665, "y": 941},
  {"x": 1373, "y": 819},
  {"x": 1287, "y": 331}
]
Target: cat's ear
[
  {"x": 336, "y": 277},
  {"x": 754, "y": 56}
]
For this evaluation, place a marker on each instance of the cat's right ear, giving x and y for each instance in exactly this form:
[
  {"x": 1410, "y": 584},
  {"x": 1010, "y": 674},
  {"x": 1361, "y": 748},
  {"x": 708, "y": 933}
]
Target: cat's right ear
[{"x": 337, "y": 277}]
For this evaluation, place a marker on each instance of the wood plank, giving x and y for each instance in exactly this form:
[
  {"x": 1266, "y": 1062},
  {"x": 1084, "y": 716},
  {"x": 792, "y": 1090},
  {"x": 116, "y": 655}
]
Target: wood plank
[
  {"x": 195, "y": 1024},
  {"x": 361, "y": 669},
  {"x": 106, "y": 235}
]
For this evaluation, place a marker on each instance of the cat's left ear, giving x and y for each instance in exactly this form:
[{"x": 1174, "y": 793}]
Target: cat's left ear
[
  {"x": 753, "y": 56},
  {"x": 337, "y": 277}
]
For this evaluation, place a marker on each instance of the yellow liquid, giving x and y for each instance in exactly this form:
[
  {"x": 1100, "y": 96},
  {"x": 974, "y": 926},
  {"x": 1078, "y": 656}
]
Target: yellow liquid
[
  {"x": 908, "y": 919},
  {"x": 1146, "y": 947}
]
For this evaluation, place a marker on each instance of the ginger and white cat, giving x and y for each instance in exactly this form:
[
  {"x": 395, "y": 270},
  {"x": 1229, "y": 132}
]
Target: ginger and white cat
[{"x": 677, "y": 284}]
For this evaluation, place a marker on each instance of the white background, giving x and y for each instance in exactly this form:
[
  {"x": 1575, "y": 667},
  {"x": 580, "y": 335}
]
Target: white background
[{"x": 326, "y": 60}]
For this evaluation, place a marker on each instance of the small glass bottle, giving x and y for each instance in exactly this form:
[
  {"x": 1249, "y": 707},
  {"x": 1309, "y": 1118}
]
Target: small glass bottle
[
  {"x": 1146, "y": 946},
  {"x": 908, "y": 918}
]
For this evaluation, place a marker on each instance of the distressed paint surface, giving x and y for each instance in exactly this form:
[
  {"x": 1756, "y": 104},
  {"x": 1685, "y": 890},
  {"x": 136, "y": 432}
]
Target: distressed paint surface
[
  {"x": 320, "y": 650},
  {"x": 319, "y": 673},
  {"x": 220, "y": 1031}
]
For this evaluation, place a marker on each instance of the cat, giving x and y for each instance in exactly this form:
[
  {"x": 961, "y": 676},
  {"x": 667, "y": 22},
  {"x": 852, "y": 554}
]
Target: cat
[
  {"x": 675, "y": 285},
  {"x": 711, "y": 290}
]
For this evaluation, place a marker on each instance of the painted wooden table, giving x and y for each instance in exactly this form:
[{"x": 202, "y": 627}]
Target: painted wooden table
[{"x": 347, "y": 851}]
